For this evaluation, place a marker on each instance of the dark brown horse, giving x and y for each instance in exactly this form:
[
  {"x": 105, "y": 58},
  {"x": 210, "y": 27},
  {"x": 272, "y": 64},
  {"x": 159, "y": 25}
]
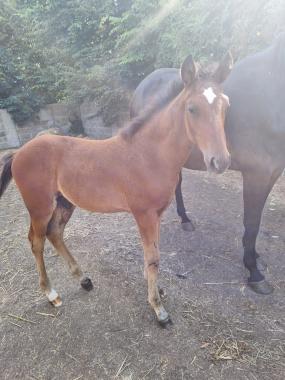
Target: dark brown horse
[
  {"x": 136, "y": 171},
  {"x": 255, "y": 131}
]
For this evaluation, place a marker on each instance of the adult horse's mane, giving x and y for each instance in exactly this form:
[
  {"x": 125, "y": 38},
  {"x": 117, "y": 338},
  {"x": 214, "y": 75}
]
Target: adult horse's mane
[{"x": 138, "y": 122}]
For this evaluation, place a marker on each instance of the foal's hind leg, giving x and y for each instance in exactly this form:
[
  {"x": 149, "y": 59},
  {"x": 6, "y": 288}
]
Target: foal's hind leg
[
  {"x": 37, "y": 239},
  {"x": 56, "y": 226}
]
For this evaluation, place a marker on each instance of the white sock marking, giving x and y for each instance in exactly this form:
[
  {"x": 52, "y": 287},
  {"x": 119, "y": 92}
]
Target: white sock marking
[
  {"x": 209, "y": 95},
  {"x": 52, "y": 295},
  {"x": 162, "y": 314}
]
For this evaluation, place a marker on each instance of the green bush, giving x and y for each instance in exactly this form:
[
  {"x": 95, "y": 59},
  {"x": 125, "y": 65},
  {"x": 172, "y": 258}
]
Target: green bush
[{"x": 70, "y": 50}]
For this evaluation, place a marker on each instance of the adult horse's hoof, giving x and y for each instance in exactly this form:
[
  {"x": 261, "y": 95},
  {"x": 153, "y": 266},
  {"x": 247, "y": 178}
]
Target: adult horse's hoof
[
  {"x": 165, "y": 323},
  {"x": 261, "y": 287},
  {"x": 86, "y": 284},
  {"x": 188, "y": 226},
  {"x": 261, "y": 264}
]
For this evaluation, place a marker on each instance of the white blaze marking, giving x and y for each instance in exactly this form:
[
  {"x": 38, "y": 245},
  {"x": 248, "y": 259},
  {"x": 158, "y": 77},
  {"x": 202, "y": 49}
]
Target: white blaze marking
[
  {"x": 52, "y": 295},
  {"x": 209, "y": 95}
]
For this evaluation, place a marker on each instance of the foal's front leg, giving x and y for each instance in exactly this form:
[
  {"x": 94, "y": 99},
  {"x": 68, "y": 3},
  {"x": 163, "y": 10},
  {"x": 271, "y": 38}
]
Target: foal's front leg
[{"x": 149, "y": 224}]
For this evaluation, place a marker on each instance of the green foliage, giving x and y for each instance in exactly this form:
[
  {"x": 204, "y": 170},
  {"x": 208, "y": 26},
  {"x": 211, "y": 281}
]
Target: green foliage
[
  {"x": 70, "y": 50},
  {"x": 28, "y": 80}
]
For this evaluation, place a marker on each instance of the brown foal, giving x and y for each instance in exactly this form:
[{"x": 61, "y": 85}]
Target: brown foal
[{"x": 136, "y": 171}]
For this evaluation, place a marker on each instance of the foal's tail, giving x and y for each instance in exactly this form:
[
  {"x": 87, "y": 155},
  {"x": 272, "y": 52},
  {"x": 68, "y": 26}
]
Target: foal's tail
[{"x": 5, "y": 172}]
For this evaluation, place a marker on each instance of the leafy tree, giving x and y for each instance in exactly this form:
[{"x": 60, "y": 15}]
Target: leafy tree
[{"x": 70, "y": 50}]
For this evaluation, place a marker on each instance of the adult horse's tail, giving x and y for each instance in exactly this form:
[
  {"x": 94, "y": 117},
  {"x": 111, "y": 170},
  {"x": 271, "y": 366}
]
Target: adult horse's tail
[{"x": 5, "y": 172}]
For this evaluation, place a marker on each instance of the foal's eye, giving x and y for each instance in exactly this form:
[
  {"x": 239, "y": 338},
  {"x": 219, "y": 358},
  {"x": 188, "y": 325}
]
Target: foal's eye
[{"x": 192, "y": 109}]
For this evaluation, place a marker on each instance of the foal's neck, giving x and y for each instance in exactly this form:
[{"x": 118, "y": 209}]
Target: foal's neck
[{"x": 166, "y": 134}]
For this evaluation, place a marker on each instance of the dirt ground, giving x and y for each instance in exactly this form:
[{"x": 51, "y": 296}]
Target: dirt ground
[{"x": 221, "y": 330}]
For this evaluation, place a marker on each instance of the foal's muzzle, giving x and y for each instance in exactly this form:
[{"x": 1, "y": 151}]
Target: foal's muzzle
[{"x": 218, "y": 164}]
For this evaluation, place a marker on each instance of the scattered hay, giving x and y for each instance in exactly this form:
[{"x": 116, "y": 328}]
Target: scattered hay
[
  {"x": 224, "y": 340},
  {"x": 227, "y": 348}
]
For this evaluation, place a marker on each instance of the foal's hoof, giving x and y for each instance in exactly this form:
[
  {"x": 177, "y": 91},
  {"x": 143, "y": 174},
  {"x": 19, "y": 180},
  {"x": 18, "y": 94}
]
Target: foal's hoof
[
  {"x": 86, "y": 284},
  {"x": 261, "y": 287},
  {"x": 165, "y": 323},
  {"x": 163, "y": 318},
  {"x": 261, "y": 264},
  {"x": 57, "y": 302},
  {"x": 188, "y": 226}
]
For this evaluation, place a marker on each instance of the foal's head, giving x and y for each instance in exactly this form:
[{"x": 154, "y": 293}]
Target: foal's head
[{"x": 205, "y": 111}]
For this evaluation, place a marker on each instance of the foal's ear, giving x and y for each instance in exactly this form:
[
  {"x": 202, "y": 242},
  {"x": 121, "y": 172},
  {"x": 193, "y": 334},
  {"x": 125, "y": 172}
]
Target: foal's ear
[
  {"x": 188, "y": 71},
  {"x": 224, "y": 68}
]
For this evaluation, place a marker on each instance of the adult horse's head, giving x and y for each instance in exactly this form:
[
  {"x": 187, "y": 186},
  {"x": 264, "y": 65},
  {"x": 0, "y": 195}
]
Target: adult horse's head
[{"x": 205, "y": 111}]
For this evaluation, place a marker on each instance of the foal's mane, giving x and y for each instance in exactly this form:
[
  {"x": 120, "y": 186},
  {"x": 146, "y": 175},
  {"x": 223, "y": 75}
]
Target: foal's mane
[
  {"x": 138, "y": 122},
  {"x": 142, "y": 119}
]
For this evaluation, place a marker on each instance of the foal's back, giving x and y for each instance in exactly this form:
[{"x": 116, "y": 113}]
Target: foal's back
[
  {"x": 107, "y": 176},
  {"x": 86, "y": 172}
]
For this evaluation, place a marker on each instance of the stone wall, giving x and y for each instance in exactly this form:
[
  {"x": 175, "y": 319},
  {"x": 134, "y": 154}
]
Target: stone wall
[
  {"x": 92, "y": 122},
  {"x": 52, "y": 116},
  {"x": 8, "y": 132},
  {"x": 60, "y": 117}
]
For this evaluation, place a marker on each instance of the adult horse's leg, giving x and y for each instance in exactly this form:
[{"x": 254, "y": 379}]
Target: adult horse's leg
[
  {"x": 37, "y": 236},
  {"x": 186, "y": 223},
  {"x": 60, "y": 217},
  {"x": 256, "y": 187},
  {"x": 149, "y": 224}
]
